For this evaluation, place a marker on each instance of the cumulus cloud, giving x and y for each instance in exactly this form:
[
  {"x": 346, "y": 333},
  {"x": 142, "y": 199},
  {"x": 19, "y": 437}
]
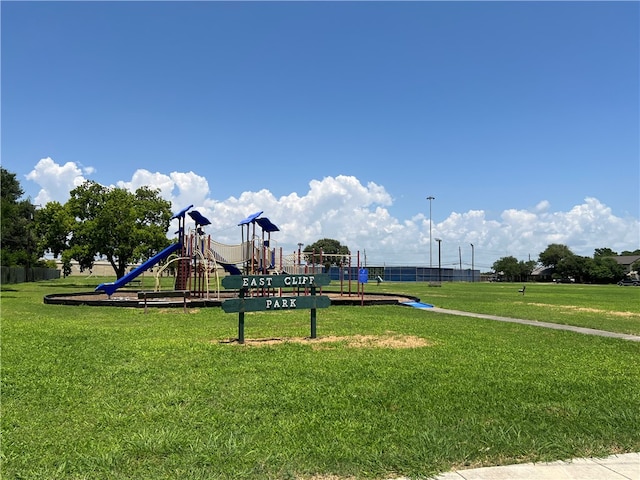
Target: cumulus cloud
[
  {"x": 543, "y": 206},
  {"x": 177, "y": 187},
  {"x": 56, "y": 181},
  {"x": 357, "y": 215}
]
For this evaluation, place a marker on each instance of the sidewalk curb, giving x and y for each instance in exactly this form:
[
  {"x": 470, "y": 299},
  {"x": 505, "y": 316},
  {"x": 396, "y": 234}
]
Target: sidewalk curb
[{"x": 615, "y": 467}]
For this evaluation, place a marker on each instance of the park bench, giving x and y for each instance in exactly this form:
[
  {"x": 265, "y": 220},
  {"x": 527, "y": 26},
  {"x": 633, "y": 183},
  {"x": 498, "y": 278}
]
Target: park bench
[
  {"x": 144, "y": 296},
  {"x": 522, "y": 289}
]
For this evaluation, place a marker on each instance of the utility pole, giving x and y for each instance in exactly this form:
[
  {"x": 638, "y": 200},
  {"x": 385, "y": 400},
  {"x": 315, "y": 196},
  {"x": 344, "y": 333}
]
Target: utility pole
[
  {"x": 472, "y": 261},
  {"x": 430, "y": 198},
  {"x": 439, "y": 240}
]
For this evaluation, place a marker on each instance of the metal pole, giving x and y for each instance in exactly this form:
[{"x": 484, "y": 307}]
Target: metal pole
[
  {"x": 439, "y": 240},
  {"x": 241, "y": 321},
  {"x": 430, "y": 240},
  {"x": 313, "y": 314},
  {"x": 472, "y": 261}
]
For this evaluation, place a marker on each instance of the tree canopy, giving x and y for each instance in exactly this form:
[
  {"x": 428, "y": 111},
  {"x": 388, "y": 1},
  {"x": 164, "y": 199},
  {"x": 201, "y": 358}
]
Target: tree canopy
[
  {"x": 114, "y": 223},
  {"x": 603, "y": 252},
  {"x": 18, "y": 242},
  {"x": 602, "y": 268},
  {"x": 514, "y": 270},
  {"x": 554, "y": 254}
]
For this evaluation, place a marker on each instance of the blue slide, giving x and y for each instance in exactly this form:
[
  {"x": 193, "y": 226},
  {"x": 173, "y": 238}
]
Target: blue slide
[
  {"x": 109, "y": 288},
  {"x": 232, "y": 269}
]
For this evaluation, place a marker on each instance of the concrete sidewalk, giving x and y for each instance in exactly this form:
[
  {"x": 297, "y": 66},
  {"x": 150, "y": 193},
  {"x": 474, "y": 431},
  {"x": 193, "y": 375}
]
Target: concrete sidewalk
[
  {"x": 616, "y": 467},
  {"x": 535, "y": 323}
]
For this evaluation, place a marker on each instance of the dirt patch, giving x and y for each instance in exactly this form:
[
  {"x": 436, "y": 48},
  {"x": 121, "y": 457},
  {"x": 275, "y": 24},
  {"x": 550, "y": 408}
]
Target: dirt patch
[
  {"x": 326, "y": 477},
  {"x": 575, "y": 308},
  {"x": 331, "y": 341},
  {"x": 190, "y": 311}
]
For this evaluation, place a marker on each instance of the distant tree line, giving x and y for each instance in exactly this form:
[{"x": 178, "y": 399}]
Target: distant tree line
[{"x": 564, "y": 264}]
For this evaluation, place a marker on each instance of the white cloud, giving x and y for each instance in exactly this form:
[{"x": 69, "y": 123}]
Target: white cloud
[
  {"x": 177, "y": 187},
  {"x": 357, "y": 215},
  {"x": 154, "y": 180},
  {"x": 543, "y": 206},
  {"x": 56, "y": 181}
]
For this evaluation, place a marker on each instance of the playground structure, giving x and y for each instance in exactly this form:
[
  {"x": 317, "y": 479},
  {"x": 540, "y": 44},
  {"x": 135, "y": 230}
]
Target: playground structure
[{"x": 197, "y": 261}]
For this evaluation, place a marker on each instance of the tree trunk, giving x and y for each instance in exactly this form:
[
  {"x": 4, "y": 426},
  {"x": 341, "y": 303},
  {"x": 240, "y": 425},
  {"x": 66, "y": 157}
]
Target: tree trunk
[{"x": 119, "y": 268}]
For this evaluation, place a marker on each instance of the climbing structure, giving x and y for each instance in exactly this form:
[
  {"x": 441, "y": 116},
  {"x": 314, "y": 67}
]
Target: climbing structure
[
  {"x": 196, "y": 259},
  {"x": 201, "y": 259},
  {"x": 260, "y": 257}
]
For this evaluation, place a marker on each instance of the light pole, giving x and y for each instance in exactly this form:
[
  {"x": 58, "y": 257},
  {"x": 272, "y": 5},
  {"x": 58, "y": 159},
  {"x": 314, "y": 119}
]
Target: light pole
[
  {"x": 439, "y": 240},
  {"x": 430, "y": 241},
  {"x": 472, "y": 261},
  {"x": 299, "y": 260}
]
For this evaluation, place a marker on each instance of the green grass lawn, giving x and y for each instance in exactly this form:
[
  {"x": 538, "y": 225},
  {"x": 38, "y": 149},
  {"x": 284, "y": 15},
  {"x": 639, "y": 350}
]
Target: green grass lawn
[
  {"x": 100, "y": 392},
  {"x": 604, "y": 307}
]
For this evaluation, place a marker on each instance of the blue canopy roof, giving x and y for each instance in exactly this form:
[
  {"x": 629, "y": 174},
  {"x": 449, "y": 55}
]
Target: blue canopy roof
[
  {"x": 250, "y": 218},
  {"x": 266, "y": 225},
  {"x": 181, "y": 212},
  {"x": 199, "y": 218}
]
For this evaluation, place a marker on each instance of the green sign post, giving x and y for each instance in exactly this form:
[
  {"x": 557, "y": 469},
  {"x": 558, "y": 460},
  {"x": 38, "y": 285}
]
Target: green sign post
[{"x": 273, "y": 303}]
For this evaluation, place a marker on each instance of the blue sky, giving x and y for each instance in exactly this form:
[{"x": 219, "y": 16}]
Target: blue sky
[{"x": 338, "y": 119}]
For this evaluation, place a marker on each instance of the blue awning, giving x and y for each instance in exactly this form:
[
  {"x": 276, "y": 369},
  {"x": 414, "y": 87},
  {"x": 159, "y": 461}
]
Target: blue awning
[
  {"x": 250, "y": 218},
  {"x": 181, "y": 212},
  {"x": 266, "y": 225},
  {"x": 199, "y": 218}
]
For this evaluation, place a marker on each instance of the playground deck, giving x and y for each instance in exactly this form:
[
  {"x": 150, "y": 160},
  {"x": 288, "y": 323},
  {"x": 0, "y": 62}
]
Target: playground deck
[{"x": 129, "y": 298}]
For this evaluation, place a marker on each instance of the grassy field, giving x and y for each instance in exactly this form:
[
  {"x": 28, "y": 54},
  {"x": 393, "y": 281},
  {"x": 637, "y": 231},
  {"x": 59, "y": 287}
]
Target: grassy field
[
  {"x": 604, "y": 307},
  {"x": 385, "y": 391}
]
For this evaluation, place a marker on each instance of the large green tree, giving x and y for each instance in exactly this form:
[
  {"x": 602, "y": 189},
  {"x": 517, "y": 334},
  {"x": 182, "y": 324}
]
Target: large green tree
[
  {"x": 572, "y": 266},
  {"x": 512, "y": 269},
  {"x": 604, "y": 269},
  {"x": 18, "y": 245},
  {"x": 554, "y": 254},
  {"x": 113, "y": 223},
  {"x": 604, "y": 252}
]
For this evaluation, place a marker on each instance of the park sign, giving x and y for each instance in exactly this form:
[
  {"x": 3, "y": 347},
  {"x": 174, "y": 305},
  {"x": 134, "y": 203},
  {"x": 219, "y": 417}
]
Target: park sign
[
  {"x": 275, "y": 281},
  {"x": 259, "y": 304},
  {"x": 273, "y": 303}
]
